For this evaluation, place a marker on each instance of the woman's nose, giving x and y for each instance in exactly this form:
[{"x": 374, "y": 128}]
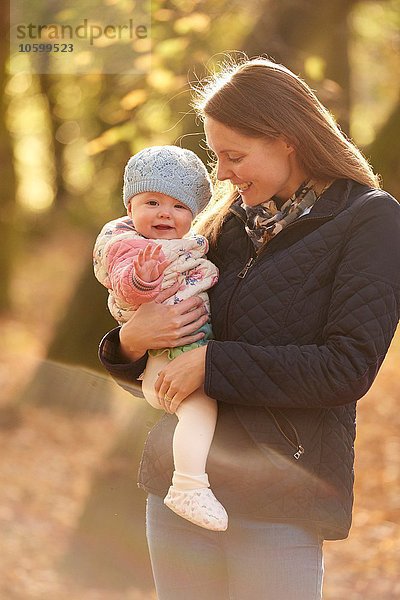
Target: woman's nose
[{"x": 223, "y": 172}]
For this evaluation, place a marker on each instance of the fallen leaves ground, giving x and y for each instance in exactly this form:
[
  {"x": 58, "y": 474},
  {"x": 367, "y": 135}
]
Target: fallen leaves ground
[{"x": 48, "y": 461}]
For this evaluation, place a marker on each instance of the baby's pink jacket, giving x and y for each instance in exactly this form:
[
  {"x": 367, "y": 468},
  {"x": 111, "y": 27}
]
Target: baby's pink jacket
[{"x": 115, "y": 250}]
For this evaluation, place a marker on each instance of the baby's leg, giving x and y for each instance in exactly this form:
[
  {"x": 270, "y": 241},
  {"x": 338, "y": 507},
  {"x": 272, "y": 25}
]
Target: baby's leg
[
  {"x": 194, "y": 432},
  {"x": 190, "y": 496},
  {"x": 197, "y": 417},
  {"x": 153, "y": 367}
]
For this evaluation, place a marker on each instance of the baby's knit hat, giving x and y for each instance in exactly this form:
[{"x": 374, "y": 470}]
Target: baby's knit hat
[{"x": 170, "y": 170}]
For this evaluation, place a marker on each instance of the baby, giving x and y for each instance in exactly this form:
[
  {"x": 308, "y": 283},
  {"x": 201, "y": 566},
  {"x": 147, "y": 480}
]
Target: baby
[{"x": 136, "y": 257}]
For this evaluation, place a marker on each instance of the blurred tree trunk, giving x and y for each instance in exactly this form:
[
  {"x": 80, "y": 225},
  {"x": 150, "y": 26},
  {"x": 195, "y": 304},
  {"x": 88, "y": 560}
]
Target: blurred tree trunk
[
  {"x": 83, "y": 325},
  {"x": 384, "y": 152},
  {"x": 7, "y": 188},
  {"x": 296, "y": 32},
  {"x": 87, "y": 318},
  {"x": 60, "y": 382},
  {"x": 46, "y": 81}
]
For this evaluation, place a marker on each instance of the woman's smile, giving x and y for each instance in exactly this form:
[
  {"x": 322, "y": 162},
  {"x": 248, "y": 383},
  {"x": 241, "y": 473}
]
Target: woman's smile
[{"x": 243, "y": 187}]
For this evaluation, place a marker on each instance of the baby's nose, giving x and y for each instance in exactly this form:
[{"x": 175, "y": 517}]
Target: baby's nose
[{"x": 164, "y": 211}]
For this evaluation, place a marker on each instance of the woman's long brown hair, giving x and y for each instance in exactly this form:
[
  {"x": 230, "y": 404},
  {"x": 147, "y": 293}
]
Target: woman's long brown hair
[{"x": 260, "y": 98}]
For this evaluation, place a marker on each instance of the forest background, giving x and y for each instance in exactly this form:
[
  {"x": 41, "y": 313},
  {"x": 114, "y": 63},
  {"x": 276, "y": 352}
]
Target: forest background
[{"x": 71, "y": 517}]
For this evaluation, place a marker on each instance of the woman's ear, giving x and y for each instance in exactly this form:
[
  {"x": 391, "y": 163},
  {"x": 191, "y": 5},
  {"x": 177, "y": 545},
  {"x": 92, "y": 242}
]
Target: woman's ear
[{"x": 289, "y": 146}]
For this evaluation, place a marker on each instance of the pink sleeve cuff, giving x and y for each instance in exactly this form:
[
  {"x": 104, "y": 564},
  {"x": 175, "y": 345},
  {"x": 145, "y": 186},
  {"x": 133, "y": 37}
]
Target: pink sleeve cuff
[{"x": 146, "y": 287}]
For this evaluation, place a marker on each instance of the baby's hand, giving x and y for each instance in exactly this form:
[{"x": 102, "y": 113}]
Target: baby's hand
[{"x": 147, "y": 264}]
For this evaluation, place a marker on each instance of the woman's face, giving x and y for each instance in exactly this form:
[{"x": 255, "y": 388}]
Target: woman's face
[{"x": 259, "y": 167}]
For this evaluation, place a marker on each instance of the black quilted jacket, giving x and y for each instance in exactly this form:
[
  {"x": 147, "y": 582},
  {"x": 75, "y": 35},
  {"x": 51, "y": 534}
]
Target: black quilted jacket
[{"x": 300, "y": 333}]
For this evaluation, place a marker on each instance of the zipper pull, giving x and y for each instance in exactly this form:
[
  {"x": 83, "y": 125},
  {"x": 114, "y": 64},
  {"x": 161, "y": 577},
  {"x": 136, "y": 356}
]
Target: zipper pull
[
  {"x": 299, "y": 453},
  {"x": 247, "y": 266}
]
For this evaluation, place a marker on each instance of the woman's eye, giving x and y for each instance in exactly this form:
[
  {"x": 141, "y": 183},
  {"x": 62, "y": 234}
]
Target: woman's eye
[{"x": 235, "y": 159}]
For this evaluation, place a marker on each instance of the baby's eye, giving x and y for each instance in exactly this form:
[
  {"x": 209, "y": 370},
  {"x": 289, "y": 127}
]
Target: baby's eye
[
  {"x": 181, "y": 206},
  {"x": 152, "y": 202}
]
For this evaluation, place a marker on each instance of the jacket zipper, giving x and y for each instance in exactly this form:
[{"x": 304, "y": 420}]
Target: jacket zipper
[
  {"x": 297, "y": 446},
  {"x": 266, "y": 248},
  {"x": 246, "y": 267}
]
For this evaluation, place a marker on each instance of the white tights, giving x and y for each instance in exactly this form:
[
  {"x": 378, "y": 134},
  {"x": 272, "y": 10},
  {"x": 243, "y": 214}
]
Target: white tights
[{"x": 197, "y": 417}]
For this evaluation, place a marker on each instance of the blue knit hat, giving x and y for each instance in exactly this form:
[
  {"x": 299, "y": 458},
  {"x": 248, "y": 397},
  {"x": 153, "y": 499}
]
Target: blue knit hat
[{"x": 170, "y": 170}]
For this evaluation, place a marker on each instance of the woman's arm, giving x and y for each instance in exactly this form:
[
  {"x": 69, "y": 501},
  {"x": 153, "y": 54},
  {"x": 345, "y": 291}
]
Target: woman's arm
[
  {"x": 117, "y": 364},
  {"x": 123, "y": 350}
]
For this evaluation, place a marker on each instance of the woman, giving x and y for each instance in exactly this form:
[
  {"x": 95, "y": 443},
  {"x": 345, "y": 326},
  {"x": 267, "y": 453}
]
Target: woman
[{"x": 307, "y": 303}]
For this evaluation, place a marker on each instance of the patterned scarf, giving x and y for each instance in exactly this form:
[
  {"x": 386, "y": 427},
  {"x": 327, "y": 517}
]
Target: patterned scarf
[{"x": 265, "y": 220}]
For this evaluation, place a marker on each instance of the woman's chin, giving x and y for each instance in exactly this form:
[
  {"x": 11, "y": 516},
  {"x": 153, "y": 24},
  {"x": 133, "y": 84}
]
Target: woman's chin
[{"x": 251, "y": 200}]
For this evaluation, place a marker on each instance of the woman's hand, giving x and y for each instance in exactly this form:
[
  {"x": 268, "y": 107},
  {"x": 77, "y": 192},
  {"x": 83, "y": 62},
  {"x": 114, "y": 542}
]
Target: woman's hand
[
  {"x": 180, "y": 378},
  {"x": 156, "y": 325}
]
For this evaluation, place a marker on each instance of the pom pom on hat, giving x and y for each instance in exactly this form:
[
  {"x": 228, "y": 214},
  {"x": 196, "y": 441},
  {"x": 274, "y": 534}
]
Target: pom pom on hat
[{"x": 170, "y": 170}]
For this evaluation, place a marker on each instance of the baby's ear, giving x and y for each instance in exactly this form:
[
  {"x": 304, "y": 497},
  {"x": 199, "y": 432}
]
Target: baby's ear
[{"x": 129, "y": 209}]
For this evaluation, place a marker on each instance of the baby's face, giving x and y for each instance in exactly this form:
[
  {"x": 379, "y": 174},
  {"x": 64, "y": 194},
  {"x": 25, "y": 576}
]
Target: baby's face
[{"x": 158, "y": 216}]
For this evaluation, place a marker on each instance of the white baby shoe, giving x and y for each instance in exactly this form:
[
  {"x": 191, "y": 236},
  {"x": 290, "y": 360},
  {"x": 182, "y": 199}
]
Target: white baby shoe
[{"x": 198, "y": 506}]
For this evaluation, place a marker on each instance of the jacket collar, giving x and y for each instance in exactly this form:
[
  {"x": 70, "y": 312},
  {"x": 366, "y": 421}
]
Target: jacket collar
[{"x": 334, "y": 200}]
